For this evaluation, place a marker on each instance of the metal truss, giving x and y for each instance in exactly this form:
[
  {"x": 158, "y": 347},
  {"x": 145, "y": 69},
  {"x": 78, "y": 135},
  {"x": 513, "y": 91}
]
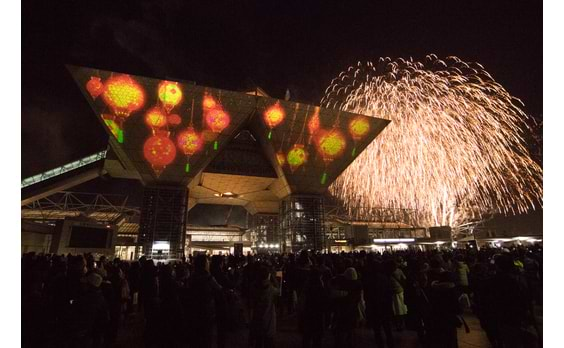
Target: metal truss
[
  {"x": 105, "y": 208},
  {"x": 470, "y": 227},
  {"x": 64, "y": 168},
  {"x": 363, "y": 214}
]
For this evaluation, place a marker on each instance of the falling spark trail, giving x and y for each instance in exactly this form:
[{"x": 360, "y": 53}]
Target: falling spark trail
[{"x": 454, "y": 150}]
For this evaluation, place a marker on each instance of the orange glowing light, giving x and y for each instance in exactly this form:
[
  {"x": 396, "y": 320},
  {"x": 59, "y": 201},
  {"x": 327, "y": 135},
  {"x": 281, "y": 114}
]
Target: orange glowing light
[
  {"x": 313, "y": 123},
  {"x": 123, "y": 95},
  {"x": 174, "y": 120},
  {"x": 209, "y": 102},
  {"x": 359, "y": 127},
  {"x": 217, "y": 119},
  {"x": 159, "y": 151},
  {"x": 155, "y": 118},
  {"x": 274, "y": 115},
  {"x": 95, "y": 87},
  {"x": 297, "y": 156},
  {"x": 281, "y": 158},
  {"x": 330, "y": 144},
  {"x": 170, "y": 94},
  {"x": 189, "y": 141}
]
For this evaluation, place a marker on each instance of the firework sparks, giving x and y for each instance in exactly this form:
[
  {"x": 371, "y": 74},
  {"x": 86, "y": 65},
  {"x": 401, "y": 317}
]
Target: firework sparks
[{"x": 453, "y": 150}]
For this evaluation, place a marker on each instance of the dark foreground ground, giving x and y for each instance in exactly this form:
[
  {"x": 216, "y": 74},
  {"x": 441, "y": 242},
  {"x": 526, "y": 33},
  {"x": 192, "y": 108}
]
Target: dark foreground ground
[{"x": 288, "y": 335}]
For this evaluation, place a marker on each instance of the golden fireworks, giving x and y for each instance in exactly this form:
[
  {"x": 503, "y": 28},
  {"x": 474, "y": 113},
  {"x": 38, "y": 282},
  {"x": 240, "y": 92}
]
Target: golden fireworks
[{"x": 453, "y": 150}]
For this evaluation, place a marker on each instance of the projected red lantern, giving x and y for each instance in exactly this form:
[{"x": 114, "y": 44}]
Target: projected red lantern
[
  {"x": 313, "y": 124},
  {"x": 174, "y": 120},
  {"x": 155, "y": 118},
  {"x": 95, "y": 87},
  {"x": 169, "y": 94},
  {"x": 189, "y": 142},
  {"x": 358, "y": 128},
  {"x": 159, "y": 151},
  {"x": 297, "y": 156},
  {"x": 273, "y": 116},
  {"x": 123, "y": 95}
]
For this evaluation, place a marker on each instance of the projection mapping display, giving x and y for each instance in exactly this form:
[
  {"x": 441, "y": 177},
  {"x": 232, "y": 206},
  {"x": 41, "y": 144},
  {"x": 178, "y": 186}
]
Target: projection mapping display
[{"x": 171, "y": 130}]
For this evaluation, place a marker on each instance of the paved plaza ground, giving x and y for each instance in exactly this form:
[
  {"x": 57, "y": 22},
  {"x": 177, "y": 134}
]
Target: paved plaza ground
[{"x": 288, "y": 335}]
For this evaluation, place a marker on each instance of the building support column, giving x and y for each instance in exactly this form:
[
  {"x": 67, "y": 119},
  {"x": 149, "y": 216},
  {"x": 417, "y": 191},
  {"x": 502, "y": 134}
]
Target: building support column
[
  {"x": 162, "y": 227},
  {"x": 302, "y": 222}
]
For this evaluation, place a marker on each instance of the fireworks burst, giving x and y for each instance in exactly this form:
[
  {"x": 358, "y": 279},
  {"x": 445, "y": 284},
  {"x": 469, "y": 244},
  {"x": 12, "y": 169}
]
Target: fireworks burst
[{"x": 454, "y": 149}]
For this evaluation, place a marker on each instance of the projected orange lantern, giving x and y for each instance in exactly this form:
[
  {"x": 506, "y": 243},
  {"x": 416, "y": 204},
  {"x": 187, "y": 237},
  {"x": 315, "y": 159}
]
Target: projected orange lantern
[
  {"x": 273, "y": 116},
  {"x": 297, "y": 156},
  {"x": 123, "y": 95},
  {"x": 330, "y": 144},
  {"x": 215, "y": 117},
  {"x": 208, "y": 102},
  {"x": 358, "y": 128},
  {"x": 155, "y": 118},
  {"x": 95, "y": 87},
  {"x": 169, "y": 94},
  {"x": 174, "y": 120},
  {"x": 313, "y": 124},
  {"x": 159, "y": 151},
  {"x": 281, "y": 158},
  {"x": 189, "y": 142}
]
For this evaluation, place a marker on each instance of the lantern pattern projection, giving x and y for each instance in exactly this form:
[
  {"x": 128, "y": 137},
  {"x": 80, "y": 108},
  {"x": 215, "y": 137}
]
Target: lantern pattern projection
[
  {"x": 189, "y": 142},
  {"x": 173, "y": 120},
  {"x": 313, "y": 124},
  {"x": 273, "y": 116},
  {"x": 215, "y": 117},
  {"x": 109, "y": 121},
  {"x": 330, "y": 145},
  {"x": 297, "y": 156},
  {"x": 95, "y": 87},
  {"x": 170, "y": 95},
  {"x": 159, "y": 151},
  {"x": 123, "y": 95},
  {"x": 358, "y": 129},
  {"x": 155, "y": 118},
  {"x": 281, "y": 158}
]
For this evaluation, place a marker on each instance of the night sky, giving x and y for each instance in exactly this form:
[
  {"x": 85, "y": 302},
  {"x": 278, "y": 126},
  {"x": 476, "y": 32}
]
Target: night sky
[{"x": 275, "y": 45}]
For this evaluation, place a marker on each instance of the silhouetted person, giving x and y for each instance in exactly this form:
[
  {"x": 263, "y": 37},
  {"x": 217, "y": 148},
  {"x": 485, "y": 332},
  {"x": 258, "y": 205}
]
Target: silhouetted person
[
  {"x": 223, "y": 299},
  {"x": 378, "y": 295},
  {"x": 511, "y": 305},
  {"x": 312, "y": 319},
  {"x": 346, "y": 296},
  {"x": 263, "y": 313},
  {"x": 200, "y": 303},
  {"x": 444, "y": 311},
  {"x": 91, "y": 314}
]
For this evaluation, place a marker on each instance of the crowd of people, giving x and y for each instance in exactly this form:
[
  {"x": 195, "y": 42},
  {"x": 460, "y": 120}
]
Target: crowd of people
[{"x": 204, "y": 301}]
